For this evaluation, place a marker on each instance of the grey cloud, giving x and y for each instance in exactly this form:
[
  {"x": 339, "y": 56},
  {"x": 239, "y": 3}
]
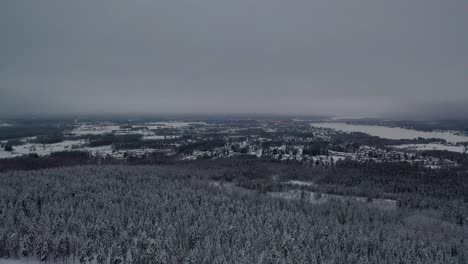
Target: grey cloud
[{"x": 307, "y": 57}]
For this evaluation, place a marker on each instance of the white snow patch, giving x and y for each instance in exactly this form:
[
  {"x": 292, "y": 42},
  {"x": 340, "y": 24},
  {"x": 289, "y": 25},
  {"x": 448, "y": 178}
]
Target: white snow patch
[
  {"x": 41, "y": 149},
  {"x": 432, "y": 146},
  {"x": 157, "y": 125},
  {"x": 133, "y": 132},
  {"x": 158, "y": 137},
  {"x": 259, "y": 153},
  {"x": 301, "y": 183},
  {"x": 94, "y": 129},
  {"x": 101, "y": 150},
  {"x": 34, "y": 260}
]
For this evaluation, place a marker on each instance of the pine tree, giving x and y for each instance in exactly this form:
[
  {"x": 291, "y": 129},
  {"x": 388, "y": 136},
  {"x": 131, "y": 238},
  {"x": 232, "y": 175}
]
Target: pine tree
[
  {"x": 44, "y": 252},
  {"x": 100, "y": 257}
]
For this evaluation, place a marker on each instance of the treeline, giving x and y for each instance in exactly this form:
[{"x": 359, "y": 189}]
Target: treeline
[
  {"x": 30, "y": 130},
  {"x": 399, "y": 177},
  {"x": 121, "y": 214},
  {"x": 360, "y": 139},
  {"x": 111, "y": 139},
  {"x": 74, "y": 158},
  {"x": 145, "y": 144},
  {"x": 412, "y": 185},
  {"x": 203, "y": 145},
  {"x": 56, "y": 159},
  {"x": 460, "y": 158}
]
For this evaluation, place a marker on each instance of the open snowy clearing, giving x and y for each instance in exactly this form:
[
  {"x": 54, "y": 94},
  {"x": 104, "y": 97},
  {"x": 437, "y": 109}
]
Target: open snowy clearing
[
  {"x": 301, "y": 183},
  {"x": 312, "y": 197},
  {"x": 94, "y": 129},
  {"x": 154, "y": 137},
  {"x": 42, "y": 149},
  {"x": 71, "y": 145},
  {"x": 319, "y": 198},
  {"x": 431, "y": 146},
  {"x": 392, "y": 132}
]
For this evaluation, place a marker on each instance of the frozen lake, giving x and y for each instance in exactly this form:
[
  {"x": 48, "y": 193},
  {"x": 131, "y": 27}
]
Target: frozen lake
[{"x": 392, "y": 132}]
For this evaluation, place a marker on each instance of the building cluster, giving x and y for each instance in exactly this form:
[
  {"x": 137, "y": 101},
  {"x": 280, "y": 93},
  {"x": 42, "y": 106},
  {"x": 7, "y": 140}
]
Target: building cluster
[
  {"x": 284, "y": 141},
  {"x": 291, "y": 151}
]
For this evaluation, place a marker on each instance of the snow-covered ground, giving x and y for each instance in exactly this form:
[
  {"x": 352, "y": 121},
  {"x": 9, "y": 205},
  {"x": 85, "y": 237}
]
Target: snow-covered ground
[
  {"x": 19, "y": 261},
  {"x": 432, "y": 146},
  {"x": 158, "y": 137},
  {"x": 142, "y": 132},
  {"x": 329, "y": 158},
  {"x": 94, "y": 129},
  {"x": 22, "y": 261},
  {"x": 41, "y": 149},
  {"x": 393, "y": 132},
  {"x": 300, "y": 183},
  {"x": 101, "y": 150},
  {"x": 83, "y": 145},
  {"x": 116, "y": 130},
  {"x": 320, "y": 198},
  {"x": 69, "y": 145},
  {"x": 23, "y": 140},
  {"x": 34, "y": 260},
  {"x": 157, "y": 125}
]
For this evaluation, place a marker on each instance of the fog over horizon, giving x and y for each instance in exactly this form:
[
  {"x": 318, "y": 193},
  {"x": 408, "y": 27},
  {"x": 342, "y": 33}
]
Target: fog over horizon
[{"x": 402, "y": 59}]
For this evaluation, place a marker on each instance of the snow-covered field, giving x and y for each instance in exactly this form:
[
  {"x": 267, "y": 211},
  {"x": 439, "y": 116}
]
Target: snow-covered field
[
  {"x": 79, "y": 145},
  {"x": 157, "y": 125},
  {"x": 300, "y": 183},
  {"x": 94, "y": 129},
  {"x": 116, "y": 130},
  {"x": 153, "y": 137},
  {"x": 392, "y": 132},
  {"x": 432, "y": 146},
  {"x": 41, "y": 149},
  {"x": 101, "y": 150}
]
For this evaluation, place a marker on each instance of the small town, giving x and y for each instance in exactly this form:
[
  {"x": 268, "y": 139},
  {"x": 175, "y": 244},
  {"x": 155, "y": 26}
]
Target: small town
[{"x": 284, "y": 140}]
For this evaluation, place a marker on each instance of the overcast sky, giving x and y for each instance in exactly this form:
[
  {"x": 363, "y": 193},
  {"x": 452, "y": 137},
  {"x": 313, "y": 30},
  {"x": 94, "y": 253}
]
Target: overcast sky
[{"x": 337, "y": 57}]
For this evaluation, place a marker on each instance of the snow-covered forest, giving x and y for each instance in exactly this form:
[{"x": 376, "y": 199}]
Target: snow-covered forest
[{"x": 169, "y": 214}]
